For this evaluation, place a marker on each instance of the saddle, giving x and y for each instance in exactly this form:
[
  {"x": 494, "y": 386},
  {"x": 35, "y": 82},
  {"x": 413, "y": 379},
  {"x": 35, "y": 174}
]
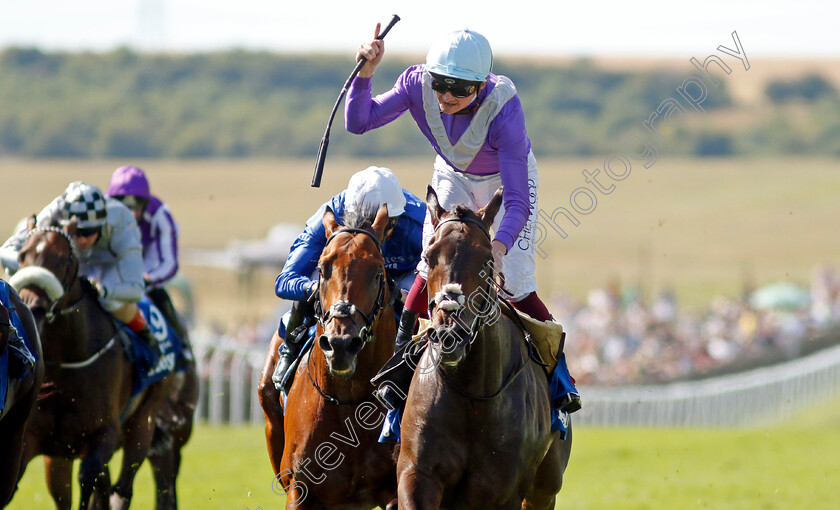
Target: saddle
[{"x": 547, "y": 338}]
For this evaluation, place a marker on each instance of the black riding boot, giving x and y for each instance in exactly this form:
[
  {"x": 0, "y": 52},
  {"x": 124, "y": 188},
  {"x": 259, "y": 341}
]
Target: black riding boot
[
  {"x": 147, "y": 336},
  {"x": 163, "y": 302},
  {"x": 290, "y": 349},
  {"x": 406, "y": 330}
]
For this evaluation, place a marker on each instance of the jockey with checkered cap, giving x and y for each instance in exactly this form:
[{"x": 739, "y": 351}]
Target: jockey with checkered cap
[{"x": 107, "y": 242}]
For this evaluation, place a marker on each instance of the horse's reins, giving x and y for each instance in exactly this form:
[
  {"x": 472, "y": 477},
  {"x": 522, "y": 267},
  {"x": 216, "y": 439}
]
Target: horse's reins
[
  {"x": 347, "y": 309},
  {"x": 478, "y": 324}
]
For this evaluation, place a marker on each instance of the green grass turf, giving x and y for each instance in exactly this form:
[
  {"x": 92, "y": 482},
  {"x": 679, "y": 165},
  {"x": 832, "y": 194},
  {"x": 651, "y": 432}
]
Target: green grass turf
[{"x": 789, "y": 466}]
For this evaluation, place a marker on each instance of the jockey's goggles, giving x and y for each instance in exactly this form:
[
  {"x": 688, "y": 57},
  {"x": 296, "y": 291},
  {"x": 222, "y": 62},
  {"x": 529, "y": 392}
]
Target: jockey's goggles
[
  {"x": 88, "y": 231},
  {"x": 132, "y": 202},
  {"x": 456, "y": 87}
]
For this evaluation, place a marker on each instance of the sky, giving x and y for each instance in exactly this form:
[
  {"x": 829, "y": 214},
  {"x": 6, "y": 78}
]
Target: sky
[{"x": 666, "y": 28}]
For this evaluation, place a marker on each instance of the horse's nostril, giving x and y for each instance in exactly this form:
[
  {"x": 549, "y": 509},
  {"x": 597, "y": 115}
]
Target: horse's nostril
[
  {"x": 355, "y": 345},
  {"x": 324, "y": 342},
  {"x": 433, "y": 337}
]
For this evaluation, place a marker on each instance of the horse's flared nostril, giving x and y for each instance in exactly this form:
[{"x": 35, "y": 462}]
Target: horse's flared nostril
[
  {"x": 433, "y": 337},
  {"x": 355, "y": 345},
  {"x": 324, "y": 342}
]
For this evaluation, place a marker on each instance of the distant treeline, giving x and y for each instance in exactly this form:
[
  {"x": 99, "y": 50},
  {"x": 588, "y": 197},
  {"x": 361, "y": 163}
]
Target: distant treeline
[{"x": 255, "y": 104}]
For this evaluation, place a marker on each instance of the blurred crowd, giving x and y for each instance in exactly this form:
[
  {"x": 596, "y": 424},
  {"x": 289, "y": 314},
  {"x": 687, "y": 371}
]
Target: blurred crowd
[{"x": 617, "y": 337}]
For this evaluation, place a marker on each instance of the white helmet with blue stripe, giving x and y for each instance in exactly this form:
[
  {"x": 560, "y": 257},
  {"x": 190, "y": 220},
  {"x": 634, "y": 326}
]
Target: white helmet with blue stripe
[{"x": 463, "y": 54}]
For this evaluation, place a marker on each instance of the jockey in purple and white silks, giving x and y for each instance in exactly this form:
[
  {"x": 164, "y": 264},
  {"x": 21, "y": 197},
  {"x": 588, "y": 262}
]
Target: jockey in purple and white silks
[
  {"x": 158, "y": 230},
  {"x": 158, "y": 234},
  {"x": 474, "y": 121}
]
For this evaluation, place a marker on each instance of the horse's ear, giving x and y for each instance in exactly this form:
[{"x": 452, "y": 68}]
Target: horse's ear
[
  {"x": 488, "y": 213},
  {"x": 71, "y": 227},
  {"x": 330, "y": 223},
  {"x": 435, "y": 210},
  {"x": 31, "y": 222},
  {"x": 381, "y": 222}
]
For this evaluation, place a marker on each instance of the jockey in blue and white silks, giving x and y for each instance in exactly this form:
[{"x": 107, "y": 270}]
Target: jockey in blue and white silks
[
  {"x": 401, "y": 251},
  {"x": 367, "y": 190}
]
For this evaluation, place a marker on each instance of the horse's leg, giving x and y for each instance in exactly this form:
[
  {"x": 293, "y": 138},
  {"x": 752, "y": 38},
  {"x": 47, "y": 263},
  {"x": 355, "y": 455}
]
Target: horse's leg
[
  {"x": 549, "y": 477},
  {"x": 59, "y": 474},
  {"x": 11, "y": 448},
  {"x": 166, "y": 462},
  {"x": 164, "y": 469},
  {"x": 270, "y": 402},
  {"x": 94, "y": 477},
  {"x": 417, "y": 491},
  {"x": 138, "y": 431}
]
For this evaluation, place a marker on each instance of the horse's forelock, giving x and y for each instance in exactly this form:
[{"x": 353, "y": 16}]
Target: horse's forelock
[{"x": 361, "y": 216}]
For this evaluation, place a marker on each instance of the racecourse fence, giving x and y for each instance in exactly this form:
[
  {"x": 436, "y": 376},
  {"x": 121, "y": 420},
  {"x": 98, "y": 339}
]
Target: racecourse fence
[{"x": 229, "y": 376}]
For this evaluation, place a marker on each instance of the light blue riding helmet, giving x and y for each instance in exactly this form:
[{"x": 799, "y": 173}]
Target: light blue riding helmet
[{"x": 462, "y": 54}]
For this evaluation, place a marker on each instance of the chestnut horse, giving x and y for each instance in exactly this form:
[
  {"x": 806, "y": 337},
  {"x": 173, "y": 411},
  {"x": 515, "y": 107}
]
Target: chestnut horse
[
  {"x": 476, "y": 430},
  {"x": 88, "y": 411},
  {"x": 21, "y": 394},
  {"x": 331, "y": 458}
]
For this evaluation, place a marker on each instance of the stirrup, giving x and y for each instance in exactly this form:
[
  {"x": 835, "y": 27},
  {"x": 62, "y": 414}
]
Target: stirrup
[{"x": 568, "y": 403}]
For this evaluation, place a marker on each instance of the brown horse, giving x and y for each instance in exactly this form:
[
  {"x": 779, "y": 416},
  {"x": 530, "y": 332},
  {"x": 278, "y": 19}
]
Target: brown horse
[
  {"x": 20, "y": 396},
  {"x": 476, "y": 431},
  {"x": 88, "y": 412},
  {"x": 331, "y": 458}
]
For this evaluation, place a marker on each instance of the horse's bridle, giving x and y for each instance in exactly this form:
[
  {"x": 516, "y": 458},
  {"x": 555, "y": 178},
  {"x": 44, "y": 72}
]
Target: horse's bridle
[
  {"x": 341, "y": 309},
  {"x": 56, "y": 309},
  {"x": 491, "y": 299},
  {"x": 489, "y": 295}
]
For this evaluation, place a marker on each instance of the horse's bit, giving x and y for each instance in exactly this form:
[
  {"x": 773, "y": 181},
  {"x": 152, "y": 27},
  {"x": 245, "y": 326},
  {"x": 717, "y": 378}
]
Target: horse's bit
[{"x": 342, "y": 308}]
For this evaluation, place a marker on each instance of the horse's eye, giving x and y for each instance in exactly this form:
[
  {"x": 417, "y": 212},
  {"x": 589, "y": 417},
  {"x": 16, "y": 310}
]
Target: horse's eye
[
  {"x": 325, "y": 272},
  {"x": 431, "y": 257}
]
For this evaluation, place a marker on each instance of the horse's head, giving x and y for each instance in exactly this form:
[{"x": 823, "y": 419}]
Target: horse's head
[
  {"x": 352, "y": 287},
  {"x": 460, "y": 276},
  {"x": 47, "y": 268}
]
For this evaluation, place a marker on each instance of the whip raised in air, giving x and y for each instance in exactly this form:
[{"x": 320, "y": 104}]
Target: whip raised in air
[{"x": 325, "y": 141}]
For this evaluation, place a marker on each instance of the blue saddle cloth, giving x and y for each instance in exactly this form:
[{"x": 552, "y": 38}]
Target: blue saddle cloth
[
  {"x": 171, "y": 349},
  {"x": 5, "y": 357},
  {"x": 559, "y": 384}
]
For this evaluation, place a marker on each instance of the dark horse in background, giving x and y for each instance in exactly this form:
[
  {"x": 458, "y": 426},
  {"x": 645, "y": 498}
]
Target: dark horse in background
[
  {"x": 20, "y": 396},
  {"x": 331, "y": 458},
  {"x": 87, "y": 410},
  {"x": 173, "y": 428},
  {"x": 476, "y": 431}
]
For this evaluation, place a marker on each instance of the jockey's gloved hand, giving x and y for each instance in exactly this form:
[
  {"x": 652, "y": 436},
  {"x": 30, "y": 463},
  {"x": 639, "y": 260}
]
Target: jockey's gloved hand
[
  {"x": 311, "y": 291},
  {"x": 101, "y": 290},
  {"x": 303, "y": 314}
]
